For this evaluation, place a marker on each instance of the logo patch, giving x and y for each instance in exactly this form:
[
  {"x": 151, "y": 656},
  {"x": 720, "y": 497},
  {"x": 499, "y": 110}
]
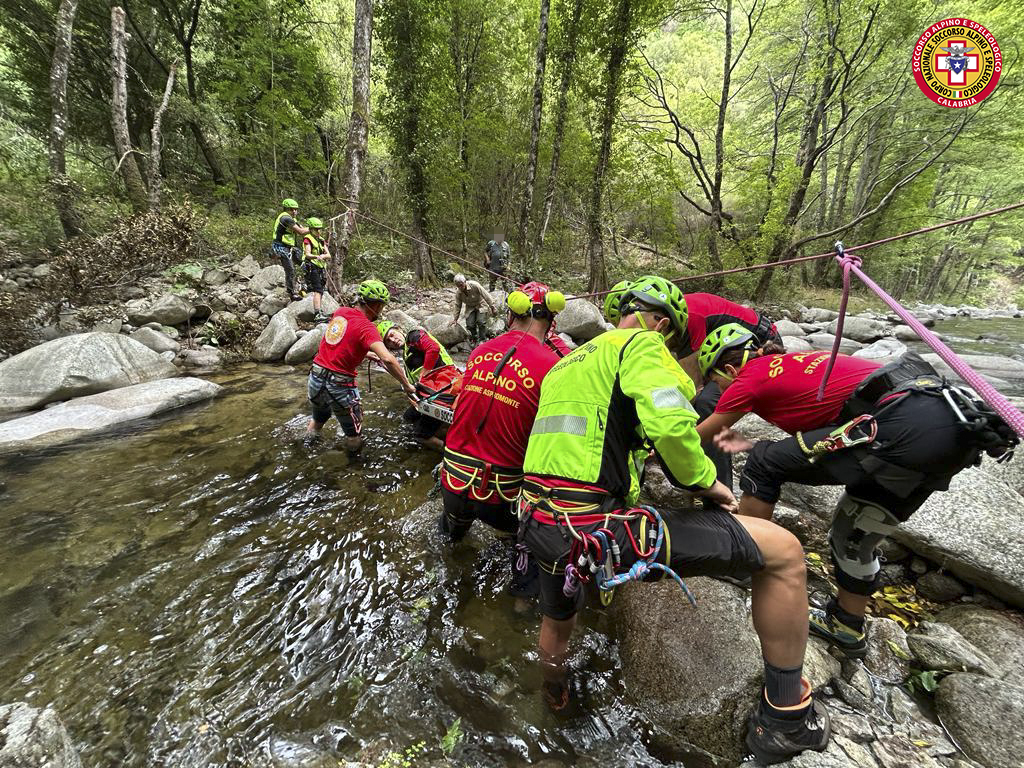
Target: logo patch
[
  {"x": 957, "y": 62},
  {"x": 335, "y": 331}
]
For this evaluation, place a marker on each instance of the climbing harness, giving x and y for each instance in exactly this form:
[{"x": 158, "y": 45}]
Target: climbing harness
[
  {"x": 596, "y": 555},
  {"x": 481, "y": 479},
  {"x": 858, "y": 431}
]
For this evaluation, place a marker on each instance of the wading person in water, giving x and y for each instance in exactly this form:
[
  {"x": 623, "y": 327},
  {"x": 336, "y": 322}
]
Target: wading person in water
[
  {"x": 332, "y": 378},
  {"x": 891, "y": 435},
  {"x": 483, "y": 459},
  {"x": 286, "y": 227},
  {"x": 593, "y": 405}
]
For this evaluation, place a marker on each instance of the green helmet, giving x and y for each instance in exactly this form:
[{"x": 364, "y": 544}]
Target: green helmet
[
  {"x": 384, "y": 326},
  {"x": 289, "y": 203},
  {"x": 612, "y": 300},
  {"x": 719, "y": 341},
  {"x": 314, "y": 223},
  {"x": 658, "y": 292},
  {"x": 373, "y": 290}
]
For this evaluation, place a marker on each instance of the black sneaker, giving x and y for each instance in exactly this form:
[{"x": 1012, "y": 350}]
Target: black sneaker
[
  {"x": 847, "y": 639},
  {"x": 774, "y": 739}
]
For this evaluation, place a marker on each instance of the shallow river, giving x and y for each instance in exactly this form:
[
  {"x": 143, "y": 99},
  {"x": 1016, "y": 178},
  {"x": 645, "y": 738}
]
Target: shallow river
[{"x": 210, "y": 590}]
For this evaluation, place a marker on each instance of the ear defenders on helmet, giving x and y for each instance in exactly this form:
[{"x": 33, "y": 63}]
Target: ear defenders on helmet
[{"x": 521, "y": 304}]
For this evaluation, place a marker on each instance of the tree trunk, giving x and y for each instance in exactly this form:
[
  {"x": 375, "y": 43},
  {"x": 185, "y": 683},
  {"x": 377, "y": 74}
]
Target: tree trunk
[
  {"x": 568, "y": 61},
  {"x": 127, "y": 165},
  {"x": 613, "y": 75},
  {"x": 358, "y": 132},
  {"x": 421, "y": 251},
  {"x": 156, "y": 178},
  {"x": 538, "y": 107},
  {"x": 63, "y": 191}
]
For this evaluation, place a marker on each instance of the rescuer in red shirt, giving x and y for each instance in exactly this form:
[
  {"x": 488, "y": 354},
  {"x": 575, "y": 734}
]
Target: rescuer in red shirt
[
  {"x": 349, "y": 335},
  {"x": 890, "y": 434},
  {"x": 483, "y": 458}
]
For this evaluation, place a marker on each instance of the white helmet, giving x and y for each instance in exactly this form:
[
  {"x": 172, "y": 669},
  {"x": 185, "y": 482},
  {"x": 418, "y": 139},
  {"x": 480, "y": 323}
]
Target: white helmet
[{"x": 460, "y": 278}]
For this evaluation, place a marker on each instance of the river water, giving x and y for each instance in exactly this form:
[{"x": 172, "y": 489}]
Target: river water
[{"x": 212, "y": 590}]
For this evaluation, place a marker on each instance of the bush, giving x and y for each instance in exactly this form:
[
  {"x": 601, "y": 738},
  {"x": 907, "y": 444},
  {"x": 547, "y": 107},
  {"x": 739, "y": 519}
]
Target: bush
[{"x": 92, "y": 267}]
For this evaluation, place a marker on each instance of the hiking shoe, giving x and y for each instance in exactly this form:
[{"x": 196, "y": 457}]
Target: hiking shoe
[
  {"x": 847, "y": 639},
  {"x": 320, "y": 317},
  {"x": 775, "y": 739}
]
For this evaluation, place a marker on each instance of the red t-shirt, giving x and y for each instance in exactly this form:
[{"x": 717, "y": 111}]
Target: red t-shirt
[
  {"x": 513, "y": 407},
  {"x": 783, "y": 389},
  {"x": 421, "y": 351},
  {"x": 554, "y": 342},
  {"x": 346, "y": 341},
  {"x": 706, "y": 311}
]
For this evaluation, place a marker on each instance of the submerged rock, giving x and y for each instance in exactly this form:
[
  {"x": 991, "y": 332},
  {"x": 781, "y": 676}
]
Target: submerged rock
[
  {"x": 984, "y": 716},
  {"x": 94, "y": 413},
  {"x": 77, "y": 365},
  {"x": 34, "y": 738}
]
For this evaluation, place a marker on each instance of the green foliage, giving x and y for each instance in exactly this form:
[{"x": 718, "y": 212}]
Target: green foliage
[
  {"x": 405, "y": 758},
  {"x": 452, "y": 737}
]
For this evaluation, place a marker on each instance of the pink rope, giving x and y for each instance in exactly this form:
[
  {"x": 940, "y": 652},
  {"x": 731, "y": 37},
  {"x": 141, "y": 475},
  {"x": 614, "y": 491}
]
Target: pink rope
[
  {"x": 989, "y": 394},
  {"x": 847, "y": 261}
]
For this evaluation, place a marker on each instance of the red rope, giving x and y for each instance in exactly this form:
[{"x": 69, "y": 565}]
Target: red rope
[{"x": 851, "y": 249}]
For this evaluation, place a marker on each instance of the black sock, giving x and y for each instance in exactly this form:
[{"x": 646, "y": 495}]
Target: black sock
[
  {"x": 783, "y": 688},
  {"x": 849, "y": 619}
]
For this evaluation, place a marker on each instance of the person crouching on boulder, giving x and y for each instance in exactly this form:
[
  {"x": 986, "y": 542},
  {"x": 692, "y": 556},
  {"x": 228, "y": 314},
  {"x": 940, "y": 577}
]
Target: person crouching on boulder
[
  {"x": 349, "y": 335},
  {"x": 314, "y": 263},
  {"x": 482, "y": 467},
  {"x": 574, "y": 517},
  {"x": 421, "y": 355},
  {"x": 889, "y": 434}
]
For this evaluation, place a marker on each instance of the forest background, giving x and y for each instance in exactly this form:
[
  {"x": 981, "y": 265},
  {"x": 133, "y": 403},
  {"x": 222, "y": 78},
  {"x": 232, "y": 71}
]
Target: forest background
[{"x": 604, "y": 138}]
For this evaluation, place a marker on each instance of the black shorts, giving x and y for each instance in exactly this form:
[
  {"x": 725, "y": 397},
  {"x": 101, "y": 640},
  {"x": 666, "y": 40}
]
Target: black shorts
[
  {"x": 697, "y": 543},
  {"x": 327, "y": 395},
  {"x": 918, "y": 433},
  {"x": 315, "y": 277}
]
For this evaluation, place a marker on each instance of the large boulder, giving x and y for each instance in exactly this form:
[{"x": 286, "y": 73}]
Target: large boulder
[
  {"x": 702, "y": 675},
  {"x": 992, "y": 367},
  {"x": 276, "y": 339},
  {"x": 274, "y": 302},
  {"x": 984, "y": 716},
  {"x": 201, "y": 359},
  {"x": 862, "y": 329},
  {"x": 305, "y": 349},
  {"x": 882, "y": 350},
  {"x": 303, "y": 310},
  {"x": 155, "y": 340},
  {"x": 999, "y": 635},
  {"x": 976, "y": 531},
  {"x": 77, "y": 365},
  {"x": 789, "y": 328},
  {"x": 93, "y": 413},
  {"x": 441, "y": 328},
  {"x": 905, "y": 332},
  {"x": 402, "y": 320},
  {"x": 824, "y": 341},
  {"x": 819, "y": 315},
  {"x": 796, "y": 344},
  {"x": 215, "y": 277},
  {"x": 581, "y": 320},
  {"x": 246, "y": 268},
  {"x": 267, "y": 279},
  {"x": 169, "y": 309},
  {"x": 697, "y": 672},
  {"x": 34, "y": 738}
]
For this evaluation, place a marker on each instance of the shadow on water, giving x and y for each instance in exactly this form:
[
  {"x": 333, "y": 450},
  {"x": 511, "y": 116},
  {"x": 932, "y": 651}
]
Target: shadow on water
[{"x": 211, "y": 590}]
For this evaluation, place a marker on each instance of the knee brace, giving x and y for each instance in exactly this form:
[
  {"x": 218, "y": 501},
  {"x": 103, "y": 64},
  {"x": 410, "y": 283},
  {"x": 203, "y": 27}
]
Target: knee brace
[{"x": 857, "y": 529}]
